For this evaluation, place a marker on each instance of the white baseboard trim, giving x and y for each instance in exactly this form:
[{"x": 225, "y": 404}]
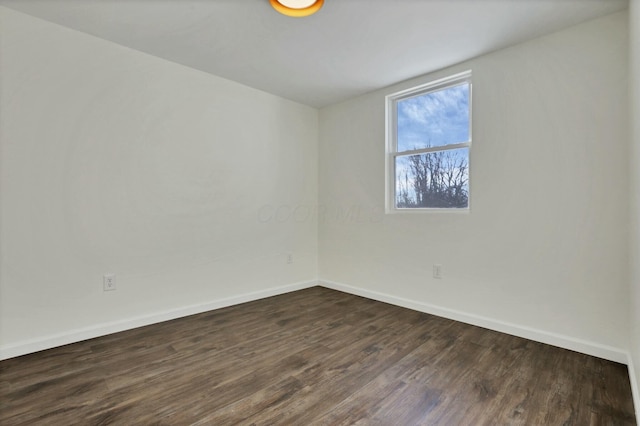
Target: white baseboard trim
[
  {"x": 635, "y": 387},
  {"x": 73, "y": 336},
  {"x": 554, "y": 339}
]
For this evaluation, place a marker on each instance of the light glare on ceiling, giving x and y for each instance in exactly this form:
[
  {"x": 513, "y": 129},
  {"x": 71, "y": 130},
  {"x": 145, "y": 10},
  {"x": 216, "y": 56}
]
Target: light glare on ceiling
[{"x": 297, "y": 8}]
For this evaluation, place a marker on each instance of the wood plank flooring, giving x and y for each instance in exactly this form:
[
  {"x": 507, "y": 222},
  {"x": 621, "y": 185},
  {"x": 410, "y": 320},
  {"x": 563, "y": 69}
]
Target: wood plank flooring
[{"x": 313, "y": 357}]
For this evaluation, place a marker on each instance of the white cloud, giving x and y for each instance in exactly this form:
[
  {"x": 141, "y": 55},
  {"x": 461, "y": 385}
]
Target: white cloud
[{"x": 439, "y": 118}]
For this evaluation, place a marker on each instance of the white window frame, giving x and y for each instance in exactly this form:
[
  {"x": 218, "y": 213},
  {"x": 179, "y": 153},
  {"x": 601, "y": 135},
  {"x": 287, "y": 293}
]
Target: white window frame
[{"x": 391, "y": 113}]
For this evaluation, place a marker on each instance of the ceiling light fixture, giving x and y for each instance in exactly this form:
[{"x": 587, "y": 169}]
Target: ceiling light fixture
[{"x": 297, "y": 8}]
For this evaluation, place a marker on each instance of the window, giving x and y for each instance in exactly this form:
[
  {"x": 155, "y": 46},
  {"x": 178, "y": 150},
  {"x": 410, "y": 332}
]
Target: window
[{"x": 428, "y": 143}]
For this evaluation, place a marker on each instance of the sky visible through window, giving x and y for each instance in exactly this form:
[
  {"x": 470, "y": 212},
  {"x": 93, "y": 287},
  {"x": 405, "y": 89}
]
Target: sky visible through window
[
  {"x": 437, "y": 179},
  {"x": 437, "y": 118}
]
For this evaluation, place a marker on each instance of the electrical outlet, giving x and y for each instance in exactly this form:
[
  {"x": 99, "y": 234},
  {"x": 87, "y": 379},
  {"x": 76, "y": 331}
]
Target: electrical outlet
[
  {"x": 437, "y": 272},
  {"x": 109, "y": 282},
  {"x": 289, "y": 258}
]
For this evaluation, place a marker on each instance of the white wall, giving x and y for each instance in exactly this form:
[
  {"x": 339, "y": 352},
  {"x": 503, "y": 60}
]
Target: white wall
[
  {"x": 544, "y": 250},
  {"x": 634, "y": 73},
  {"x": 116, "y": 161}
]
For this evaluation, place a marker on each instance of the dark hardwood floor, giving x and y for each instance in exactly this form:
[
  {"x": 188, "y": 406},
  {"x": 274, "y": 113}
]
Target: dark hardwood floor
[{"x": 313, "y": 357}]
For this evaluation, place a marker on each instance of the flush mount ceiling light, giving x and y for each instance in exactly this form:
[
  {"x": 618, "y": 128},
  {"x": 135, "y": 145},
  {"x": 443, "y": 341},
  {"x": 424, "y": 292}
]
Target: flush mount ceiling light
[{"x": 297, "y": 8}]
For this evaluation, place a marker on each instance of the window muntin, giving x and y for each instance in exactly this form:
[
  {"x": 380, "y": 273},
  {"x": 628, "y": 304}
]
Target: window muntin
[{"x": 428, "y": 144}]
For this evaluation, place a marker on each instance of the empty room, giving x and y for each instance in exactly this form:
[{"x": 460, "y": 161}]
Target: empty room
[{"x": 320, "y": 212}]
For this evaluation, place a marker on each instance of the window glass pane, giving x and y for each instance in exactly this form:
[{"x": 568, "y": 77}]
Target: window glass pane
[
  {"x": 434, "y": 180},
  {"x": 434, "y": 119}
]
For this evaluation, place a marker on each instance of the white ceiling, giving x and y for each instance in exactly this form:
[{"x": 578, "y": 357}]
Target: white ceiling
[{"x": 348, "y": 48}]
